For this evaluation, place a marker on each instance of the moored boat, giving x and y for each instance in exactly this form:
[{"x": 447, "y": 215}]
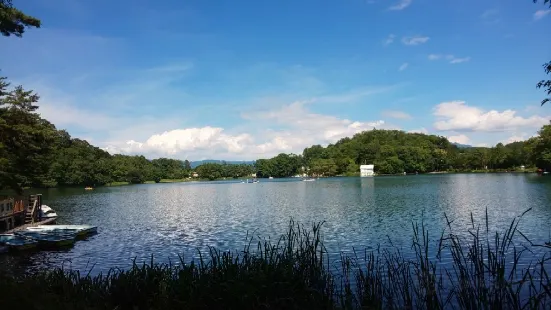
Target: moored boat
[
  {"x": 49, "y": 240},
  {"x": 79, "y": 230},
  {"x": 47, "y": 212},
  {"x": 17, "y": 243}
]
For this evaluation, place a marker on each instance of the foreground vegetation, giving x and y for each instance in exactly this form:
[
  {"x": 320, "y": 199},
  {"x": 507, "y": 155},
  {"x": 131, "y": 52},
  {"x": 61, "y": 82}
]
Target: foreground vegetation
[{"x": 483, "y": 271}]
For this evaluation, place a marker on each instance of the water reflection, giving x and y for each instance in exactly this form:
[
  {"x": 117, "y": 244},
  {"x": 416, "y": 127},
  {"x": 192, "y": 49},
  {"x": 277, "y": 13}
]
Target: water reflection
[{"x": 168, "y": 220}]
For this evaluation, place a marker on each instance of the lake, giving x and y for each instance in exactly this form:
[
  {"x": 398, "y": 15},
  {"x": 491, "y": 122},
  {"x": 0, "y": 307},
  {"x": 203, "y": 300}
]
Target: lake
[{"x": 168, "y": 220}]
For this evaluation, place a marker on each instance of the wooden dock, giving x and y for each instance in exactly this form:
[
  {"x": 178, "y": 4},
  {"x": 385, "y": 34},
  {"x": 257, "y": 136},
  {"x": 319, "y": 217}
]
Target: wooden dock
[{"x": 22, "y": 227}]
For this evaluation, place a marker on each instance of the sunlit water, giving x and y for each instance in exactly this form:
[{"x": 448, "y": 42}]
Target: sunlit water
[{"x": 168, "y": 220}]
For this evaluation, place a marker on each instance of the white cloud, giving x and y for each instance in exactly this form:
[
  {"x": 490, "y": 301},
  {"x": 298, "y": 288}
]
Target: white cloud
[
  {"x": 451, "y": 58},
  {"x": 182, "y": 141},
  {"x": 457, "y": 116},
  {"x": 415, "y": 40},
  {"x": 403, "y": 67},
  {"x": 461, "y": 139},
  {"x": 389, "y": 40},
  {"x": 396, "y": 114},
  {"x": 541, "y": 14},
  {"x": 514, "y": 138},
  {"x": 459, "y": 60},
  {"x": 402, "y": 4},
  {"x": 298, "y": 128},
  {"x": 517, "y": 137},
  {"x": 490, "y": 16},
  {"x": 422, "y": 130}
]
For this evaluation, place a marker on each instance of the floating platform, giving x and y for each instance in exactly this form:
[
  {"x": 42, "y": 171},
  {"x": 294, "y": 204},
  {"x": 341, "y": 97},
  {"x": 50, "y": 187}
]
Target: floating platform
[{"x": 23, "y": 227}]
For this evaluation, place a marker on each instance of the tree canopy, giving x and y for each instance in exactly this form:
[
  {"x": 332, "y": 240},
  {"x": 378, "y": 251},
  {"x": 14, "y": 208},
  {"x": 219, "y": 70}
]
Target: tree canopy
[
  {"x": 13, "y": 21},
  {"x": 545, "y": 84}
]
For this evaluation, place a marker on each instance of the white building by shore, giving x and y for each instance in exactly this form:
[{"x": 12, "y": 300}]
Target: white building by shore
[{"x": 367, "y": 170}]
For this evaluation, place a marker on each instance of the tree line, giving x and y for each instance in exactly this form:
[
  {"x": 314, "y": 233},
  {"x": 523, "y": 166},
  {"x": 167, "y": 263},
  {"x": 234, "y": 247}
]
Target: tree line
[
  {"x": 34, "y": 153},
  {"x": 396, "y": 152}
]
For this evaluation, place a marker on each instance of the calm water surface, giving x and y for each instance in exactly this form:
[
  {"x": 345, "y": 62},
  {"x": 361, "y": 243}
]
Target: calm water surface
[{"x": 168, "y": 220}]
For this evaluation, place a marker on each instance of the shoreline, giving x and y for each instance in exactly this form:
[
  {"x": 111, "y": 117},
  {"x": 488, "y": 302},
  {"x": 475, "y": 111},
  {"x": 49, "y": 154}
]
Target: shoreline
[{"x": 168, "y": 181}]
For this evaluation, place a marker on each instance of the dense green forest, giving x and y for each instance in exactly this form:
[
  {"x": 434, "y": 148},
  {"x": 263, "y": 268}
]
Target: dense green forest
[{"x": 393, "y": 152}]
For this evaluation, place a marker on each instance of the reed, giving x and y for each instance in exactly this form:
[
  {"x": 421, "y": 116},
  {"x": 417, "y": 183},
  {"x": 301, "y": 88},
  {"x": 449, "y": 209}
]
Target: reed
[{"x": 482, "y": 271}]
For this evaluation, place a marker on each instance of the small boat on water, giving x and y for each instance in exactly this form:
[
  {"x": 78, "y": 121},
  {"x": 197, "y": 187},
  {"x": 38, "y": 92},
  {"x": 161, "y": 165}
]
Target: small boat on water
[
  {"x": 78, "y": 230},
  {"x": 47, "y": 212},
  {"x": 88, "y": 188},
  {"x": 309, "y": 180},
  {"x": 17, "y": 243},
  {"x": 50, "y": 239}
]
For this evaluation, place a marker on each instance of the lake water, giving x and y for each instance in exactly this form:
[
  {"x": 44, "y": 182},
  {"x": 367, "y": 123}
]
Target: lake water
[{"x": 168, "y": 220}]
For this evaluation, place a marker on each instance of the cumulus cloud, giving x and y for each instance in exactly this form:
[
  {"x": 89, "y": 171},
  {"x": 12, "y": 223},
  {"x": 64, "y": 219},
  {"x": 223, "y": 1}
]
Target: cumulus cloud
[
  {"x": 403, "y": 67},
  {"x": 396, "y": 114},
  {"x": 541, "y": 14},
  {"x": 389, "y": 40},
  {"x": 312, "y": 126},
  {"x": 298, "y": 128},
  {"x": 415, "y": 40},
  {"x": 461, "y": 139},
  {"x": 517, "y": 137},
  {"x": 176, "y": 141},
  {"x": 458, "y": 116},
  {"x": 402, "y": 4}
]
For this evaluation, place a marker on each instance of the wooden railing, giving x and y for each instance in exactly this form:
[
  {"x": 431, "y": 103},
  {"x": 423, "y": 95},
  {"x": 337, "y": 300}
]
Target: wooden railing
[{"x": 33, "y": 210}]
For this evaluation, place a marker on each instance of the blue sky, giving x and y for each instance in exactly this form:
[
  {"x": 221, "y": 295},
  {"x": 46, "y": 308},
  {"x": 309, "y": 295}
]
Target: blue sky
[{"x": 251, "y": 79}]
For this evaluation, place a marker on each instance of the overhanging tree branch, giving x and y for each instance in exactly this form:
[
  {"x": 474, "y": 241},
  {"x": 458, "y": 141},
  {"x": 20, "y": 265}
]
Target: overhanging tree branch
[{"x": 13, "y": 21}]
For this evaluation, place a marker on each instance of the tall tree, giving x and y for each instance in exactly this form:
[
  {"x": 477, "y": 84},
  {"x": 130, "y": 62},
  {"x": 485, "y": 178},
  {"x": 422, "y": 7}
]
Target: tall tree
[
  {"x": 25, "y": 139},
  {"x": 13, "y": 21},
  {"x": 542, "y": 148}
]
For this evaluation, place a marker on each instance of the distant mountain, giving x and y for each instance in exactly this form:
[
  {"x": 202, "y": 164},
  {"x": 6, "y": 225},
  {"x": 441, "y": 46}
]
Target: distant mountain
[
  {"x": 217, "y": 161},
  {"x": 462, "y": 146}
]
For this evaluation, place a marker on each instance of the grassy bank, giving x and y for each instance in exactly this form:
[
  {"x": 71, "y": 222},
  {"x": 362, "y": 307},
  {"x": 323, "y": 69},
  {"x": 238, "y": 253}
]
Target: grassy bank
[{"x": 482, "y": 272}]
